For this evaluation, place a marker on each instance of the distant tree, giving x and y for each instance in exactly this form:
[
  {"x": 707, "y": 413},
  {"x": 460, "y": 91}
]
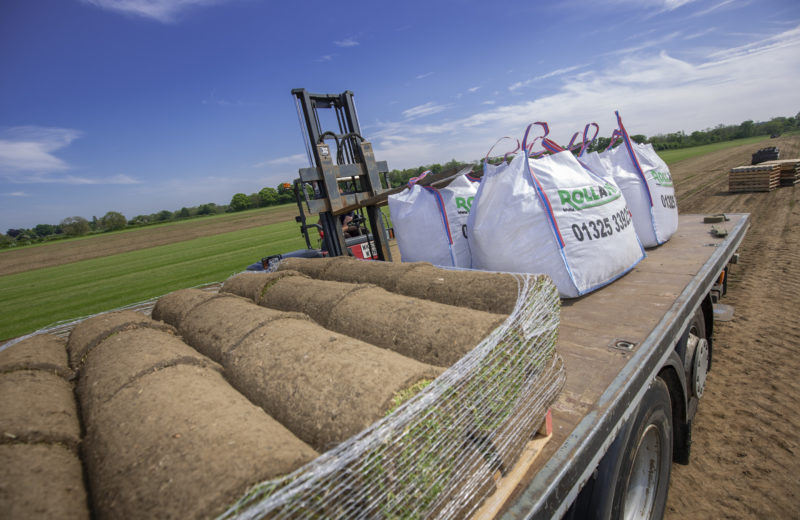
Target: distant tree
[
  {"x": 113, "y": 221},
  {"x": 183, "y": 213},
  {"x": 639, "y": 138},
  {"x": 239, "y": 202},
  {"x": 164, "y": 215},
  {"x": 207, "y": 209},
  {"x": 94, "y": 225},
  {"x": 745, "y": 129},
  {"x": 75, "y": 226},
  {"x": 14, "y": 233},
  {"x": 44, "y": 230},
  {"x": 6, "y": 241},
  {"x": 139, "y": 220},
  {"x": 255, "y": 200},
  {"x": 268, "y": 196}
]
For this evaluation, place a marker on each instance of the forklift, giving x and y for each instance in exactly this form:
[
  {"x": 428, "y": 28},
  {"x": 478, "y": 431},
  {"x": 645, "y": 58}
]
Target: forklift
[{"x": 339, "y": 185}]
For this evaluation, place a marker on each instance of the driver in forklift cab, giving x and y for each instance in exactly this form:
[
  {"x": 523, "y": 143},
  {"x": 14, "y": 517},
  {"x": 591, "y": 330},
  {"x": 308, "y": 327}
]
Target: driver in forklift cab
[{"x": 349, "y": 229}]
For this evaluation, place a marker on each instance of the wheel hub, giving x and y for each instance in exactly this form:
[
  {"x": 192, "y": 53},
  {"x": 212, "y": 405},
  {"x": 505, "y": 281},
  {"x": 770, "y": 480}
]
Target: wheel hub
[
  {"x": 700, "y": 367},
  {"x": 643, "y": 483}
]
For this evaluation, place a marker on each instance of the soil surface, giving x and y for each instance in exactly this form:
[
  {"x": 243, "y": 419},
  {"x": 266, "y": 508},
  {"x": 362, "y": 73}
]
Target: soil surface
[
  {"x": 745, "y": 457},
  {"x": 57, "y": 253}
]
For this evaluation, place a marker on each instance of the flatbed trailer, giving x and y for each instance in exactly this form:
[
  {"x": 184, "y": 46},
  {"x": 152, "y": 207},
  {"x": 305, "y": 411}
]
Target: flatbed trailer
[{"x": 615, "y": 342}]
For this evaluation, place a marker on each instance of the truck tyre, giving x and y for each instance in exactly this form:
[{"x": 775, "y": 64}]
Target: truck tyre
[{"x": 632, "y": 480}]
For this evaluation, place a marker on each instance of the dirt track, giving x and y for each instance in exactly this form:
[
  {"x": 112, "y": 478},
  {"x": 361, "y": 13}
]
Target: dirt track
[
  {"x": 58, "y": 253},
  {"x": 745, "y": 461}
]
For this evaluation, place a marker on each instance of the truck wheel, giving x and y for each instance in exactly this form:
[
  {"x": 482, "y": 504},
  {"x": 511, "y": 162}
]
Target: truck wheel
[{"x": 632, "y": 480}]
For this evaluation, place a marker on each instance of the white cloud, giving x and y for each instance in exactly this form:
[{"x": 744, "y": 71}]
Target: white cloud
[
  {"x": 71, "y": 179},
  {"x": 26, "y": 150},
  {"x": 427, "y": 109},
  {"x": 347, "y": 42},
  {"x": 27, "y": 156},
  {"x": 473, "y": 89},
  {"x": 423, "y": 76},
  {"x": 164, "y": 11},
  {"x": 711, "y": 9},
  {"x": 326, "y": 57},
  {"x": 289, "y": 159},
  {"x": 552, "y": 74},
  {"x": 654, "y": 93},
  {"x": 17, "y": 194}
]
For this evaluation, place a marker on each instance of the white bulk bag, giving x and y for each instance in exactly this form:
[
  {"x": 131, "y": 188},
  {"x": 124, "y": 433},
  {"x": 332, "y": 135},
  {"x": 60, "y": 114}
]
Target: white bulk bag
[
  {"x": 429, "y": 222},
  {"x": 552, "y": 216},
  {"x": 647, "y": 185}
]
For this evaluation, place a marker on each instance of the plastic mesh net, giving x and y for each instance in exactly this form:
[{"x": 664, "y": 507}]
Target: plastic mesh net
[{"x": 437, "y": 455}]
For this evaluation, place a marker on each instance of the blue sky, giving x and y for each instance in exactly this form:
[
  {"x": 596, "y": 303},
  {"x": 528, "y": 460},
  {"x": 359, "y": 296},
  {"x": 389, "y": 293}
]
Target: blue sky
[{"x": 142, "y": 105}]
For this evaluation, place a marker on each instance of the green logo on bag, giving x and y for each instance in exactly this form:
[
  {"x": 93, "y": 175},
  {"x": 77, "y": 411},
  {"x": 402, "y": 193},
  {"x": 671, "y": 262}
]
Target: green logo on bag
[
  {"x": 583, "y": 198},
  {"x": 662, "y": 178},
  {"x": 464, "y": 205}
]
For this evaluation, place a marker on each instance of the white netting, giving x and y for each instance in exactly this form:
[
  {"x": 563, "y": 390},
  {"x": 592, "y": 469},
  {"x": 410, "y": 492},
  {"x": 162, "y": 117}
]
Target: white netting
[{"x": 436, "y": 455}]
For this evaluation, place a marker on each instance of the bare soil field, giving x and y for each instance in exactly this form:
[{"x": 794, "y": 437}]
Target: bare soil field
[
  {"x": 57, "y": 253},
  {"x": 746, "y": 453}
]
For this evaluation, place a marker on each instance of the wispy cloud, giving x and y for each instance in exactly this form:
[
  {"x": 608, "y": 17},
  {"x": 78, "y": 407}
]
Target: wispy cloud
[
  {"x": 552, "y": 74},
  {"x": 72, "y": 179},
  {"x": 711, "y": 9},
  {"x": 17, "y": 194},
  {"x": 473, "y": 89},
  {"x": 28, "y": 156},
  {"x": 427, "y": 109},
  {"x": 423, "y": 76},
  {"x": 289, "y": 159},
  {"x": 164, "y": 11},
  {"x": 347, "y": 42},
  {"x": 31, "y": 150},
  {"x": 654, "y": 92},
  {"x": 646, "y": 44},
  {"x": 324, "y": 58}
]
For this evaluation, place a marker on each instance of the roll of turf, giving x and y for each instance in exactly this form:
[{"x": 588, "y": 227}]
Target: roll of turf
[
  {"x": 427, "y": 331},
  {"x": 219, "y": 324},
  {"x": 325, "y": 387},
  {"x": 479, "y": 290},
  {"x": 41, "y": 352},
  {"x": 316, "y": 298},
  {"x": 41, "y": 481},
  {"x": 90, "y": 332},
  {"x": 180, "y": 442},
  {"x": 125, "y": 357},
  {"x": 38, "y": 407},
  {"x": 171, "y": 308},
  {"x": 251, "y": 285}
]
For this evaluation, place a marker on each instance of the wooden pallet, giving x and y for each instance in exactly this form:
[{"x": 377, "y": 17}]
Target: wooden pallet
[
  {"x": 790, "y": 170},
  {"x": 508, "y": 483},
  {"x": 758, "y": 177}
]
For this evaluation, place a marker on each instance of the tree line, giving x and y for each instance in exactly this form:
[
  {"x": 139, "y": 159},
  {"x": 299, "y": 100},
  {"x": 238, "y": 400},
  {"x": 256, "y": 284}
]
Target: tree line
[{"x": 114, "y": 221}]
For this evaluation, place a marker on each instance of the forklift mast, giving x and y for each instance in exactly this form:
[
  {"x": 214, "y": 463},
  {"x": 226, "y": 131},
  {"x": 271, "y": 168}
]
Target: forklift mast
[{"x": 343, "y": 172}]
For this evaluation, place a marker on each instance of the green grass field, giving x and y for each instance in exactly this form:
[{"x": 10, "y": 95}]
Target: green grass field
[
  {"x": 35, "y": 299},
  {"x": 673, "y": 156}
]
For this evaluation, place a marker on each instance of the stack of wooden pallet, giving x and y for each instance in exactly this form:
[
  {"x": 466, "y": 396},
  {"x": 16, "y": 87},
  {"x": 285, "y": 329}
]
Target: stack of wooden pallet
[
  {"x": 790, "y": 170},
  {"x": 759, "y": 177}
]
